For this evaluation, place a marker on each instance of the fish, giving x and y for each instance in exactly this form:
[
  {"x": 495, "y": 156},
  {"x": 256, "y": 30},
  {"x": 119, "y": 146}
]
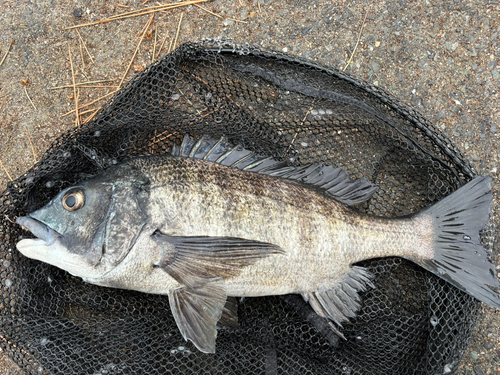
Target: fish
[{"x": 211, "y": 221}]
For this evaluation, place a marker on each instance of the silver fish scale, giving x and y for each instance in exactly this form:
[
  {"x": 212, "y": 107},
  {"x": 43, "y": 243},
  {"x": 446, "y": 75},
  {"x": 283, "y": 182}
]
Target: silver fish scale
[{"x": 212, "y": 200}]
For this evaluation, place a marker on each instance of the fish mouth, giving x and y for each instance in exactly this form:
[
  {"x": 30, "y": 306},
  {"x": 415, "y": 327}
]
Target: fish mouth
[{"x": 42, "y": 231}]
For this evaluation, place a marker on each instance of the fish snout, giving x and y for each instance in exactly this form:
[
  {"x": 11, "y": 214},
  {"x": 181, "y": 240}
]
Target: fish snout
[{"x": 39, "y": 229}]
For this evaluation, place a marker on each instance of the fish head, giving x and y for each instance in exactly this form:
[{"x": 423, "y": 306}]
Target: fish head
[{"x": 89, "y": 228}]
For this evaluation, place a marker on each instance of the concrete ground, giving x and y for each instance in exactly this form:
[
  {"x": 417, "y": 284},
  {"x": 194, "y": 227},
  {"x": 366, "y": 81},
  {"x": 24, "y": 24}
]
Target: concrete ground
[{"x": 442, "y": 57}]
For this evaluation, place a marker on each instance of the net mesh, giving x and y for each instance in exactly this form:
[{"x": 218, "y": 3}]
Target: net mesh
[{"x": 277, "y": 105}]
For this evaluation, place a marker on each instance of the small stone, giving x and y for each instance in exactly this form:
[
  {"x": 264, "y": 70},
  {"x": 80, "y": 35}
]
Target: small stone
[
  {"x": 227, "y": 22},
  {"x": 495, "y": 74},
  {"x": 377, "y": 44},
  {"x": 375, "y": 67},
  {"x": 77, "y": 12},
  {"x": 473, "y": 355},
  {"x": 478, "y": 370},
  {"x": 441, "y": 114},
  {"x": 493, "y": 128},
  {"x": 488, "y": 345},
  {"x": 451, "y": 46}
]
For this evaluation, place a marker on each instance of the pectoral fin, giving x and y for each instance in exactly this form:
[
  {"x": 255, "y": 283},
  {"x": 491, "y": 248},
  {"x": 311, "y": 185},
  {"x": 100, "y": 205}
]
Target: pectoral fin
[
  {"x": 197, "y": 310},
  {"x": 190, "y": 260}
]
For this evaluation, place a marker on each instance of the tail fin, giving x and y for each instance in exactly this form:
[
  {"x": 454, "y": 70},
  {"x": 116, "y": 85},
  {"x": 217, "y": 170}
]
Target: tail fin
[{"x": 459, "y": 257}]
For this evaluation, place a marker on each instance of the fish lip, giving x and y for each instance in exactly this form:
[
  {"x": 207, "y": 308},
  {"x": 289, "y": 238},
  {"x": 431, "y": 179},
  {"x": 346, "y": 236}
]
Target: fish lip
[{"x": 41, "y": 230}]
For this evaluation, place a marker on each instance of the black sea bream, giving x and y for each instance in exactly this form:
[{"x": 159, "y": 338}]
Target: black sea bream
[{"x": 211, "y": 221}]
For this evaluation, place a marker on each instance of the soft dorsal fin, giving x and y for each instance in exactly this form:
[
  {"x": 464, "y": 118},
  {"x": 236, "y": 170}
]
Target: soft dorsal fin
[{"x": 334, "y": 181}]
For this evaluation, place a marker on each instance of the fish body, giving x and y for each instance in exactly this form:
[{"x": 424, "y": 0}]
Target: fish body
[
  {"x": 193, "y": 197},
  {"x": 211, "y": 221}
]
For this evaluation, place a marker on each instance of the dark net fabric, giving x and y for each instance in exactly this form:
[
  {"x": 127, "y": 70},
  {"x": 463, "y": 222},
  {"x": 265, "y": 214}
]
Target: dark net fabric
[{"x": 412, "y": 323}]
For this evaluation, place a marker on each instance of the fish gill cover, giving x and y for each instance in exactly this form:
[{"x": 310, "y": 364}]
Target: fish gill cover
[{"x": 275, "y": 105}]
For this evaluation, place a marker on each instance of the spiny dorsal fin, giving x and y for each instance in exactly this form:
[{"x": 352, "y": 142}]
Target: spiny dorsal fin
[{"x": 334, "y": 181}]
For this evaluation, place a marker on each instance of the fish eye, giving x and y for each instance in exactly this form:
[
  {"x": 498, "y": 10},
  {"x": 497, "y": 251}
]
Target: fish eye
[{"x": 74, "y": 199}]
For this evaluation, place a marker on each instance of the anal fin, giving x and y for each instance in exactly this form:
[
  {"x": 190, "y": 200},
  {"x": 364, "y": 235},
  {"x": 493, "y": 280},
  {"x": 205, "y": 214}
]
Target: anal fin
[
  {"x": 341, "y": 302},
  {"x": 229, "y": 317}
]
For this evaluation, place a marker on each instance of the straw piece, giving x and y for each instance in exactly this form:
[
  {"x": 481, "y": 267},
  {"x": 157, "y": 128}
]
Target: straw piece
[
  {"x": 161, "y": 45},
  {"x": 156, "y": 8},
  {"x": 136, "y": 50},
  {"x": 218, "y": 15},
  {"x": 206, "y": 10},
  {"x": 81, "y": 53},
  {"x": 92, "y": 102},
  {"x": 6, "y": 53},
  {"x": 145, "y": 28},
  {"x": 87, "y": 111},
  {"x": 82, "y": 84},
  {"x": 356, "y": 46},
  {"x": 5, "y": 170},
  {"x": 140, "y": 12},
  {"x": 154, "y": 46},
  {"x": 170, "y": 45},
  {"x": 178, "y": 29},
  {"x": 91, "y": 116},
  {"x": 85, "y": 46},
  {"x": 31, "y": 144},
  {"x": 74, "y": 86},
  {"x": 31, "y": 101},
  {"x": 301, "y": 123},
  {"x": 3, "y": 101}
]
